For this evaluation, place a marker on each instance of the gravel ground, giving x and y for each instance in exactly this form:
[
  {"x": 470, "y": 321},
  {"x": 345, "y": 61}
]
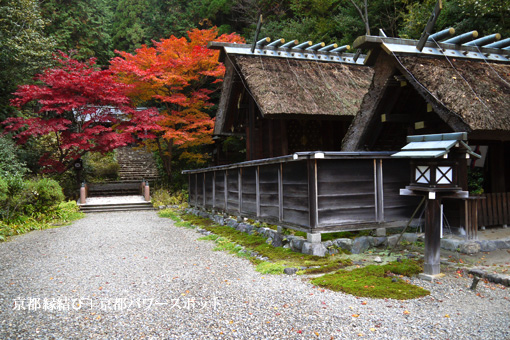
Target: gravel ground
[{"x": 133, "y": 275}]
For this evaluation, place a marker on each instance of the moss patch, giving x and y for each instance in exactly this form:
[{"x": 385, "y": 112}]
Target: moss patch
[
  {"x": 375, "y": 281},
  {"x": 255, "y": 242},
  {"x": 270, "y": 268}
]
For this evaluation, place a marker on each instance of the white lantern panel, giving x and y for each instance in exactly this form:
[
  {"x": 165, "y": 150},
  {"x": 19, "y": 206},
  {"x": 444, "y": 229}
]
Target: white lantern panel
[
  {"x": 422, "y": 174},
  {"x": 444, "y": 175}
]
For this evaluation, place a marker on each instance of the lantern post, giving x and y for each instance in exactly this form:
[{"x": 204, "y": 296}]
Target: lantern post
[{"x": 435, "y": 165}]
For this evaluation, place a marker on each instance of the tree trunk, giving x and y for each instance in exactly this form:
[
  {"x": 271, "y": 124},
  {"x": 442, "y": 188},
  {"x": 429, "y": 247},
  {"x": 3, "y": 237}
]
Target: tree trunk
[{"x": 166, "y": 156}]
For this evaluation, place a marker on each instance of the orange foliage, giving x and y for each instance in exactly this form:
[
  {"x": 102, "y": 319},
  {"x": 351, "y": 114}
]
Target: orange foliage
[{"x": 179, "y": 74}]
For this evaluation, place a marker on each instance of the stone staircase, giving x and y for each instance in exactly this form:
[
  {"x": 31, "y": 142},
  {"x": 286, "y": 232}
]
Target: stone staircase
[{"x": 135, "y": 165}]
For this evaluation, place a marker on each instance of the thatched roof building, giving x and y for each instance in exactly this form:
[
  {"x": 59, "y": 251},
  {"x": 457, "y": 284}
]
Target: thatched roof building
[
  {"x": 291, "y": 86},
  {"x": 287, "y": 100},
  {"x": 444, "y": 88}
]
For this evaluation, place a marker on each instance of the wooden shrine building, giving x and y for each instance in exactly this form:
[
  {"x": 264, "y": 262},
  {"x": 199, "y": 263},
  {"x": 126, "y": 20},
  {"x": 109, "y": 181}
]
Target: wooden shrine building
[
  {"x": 461, "y": 84},
  {"x": 284, "y": 98},
  {"x": 320, "y": 126}
]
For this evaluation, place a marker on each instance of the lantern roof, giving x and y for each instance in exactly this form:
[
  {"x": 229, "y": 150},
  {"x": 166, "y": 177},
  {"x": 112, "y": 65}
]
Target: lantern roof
[{"x": 434, "y": 146}]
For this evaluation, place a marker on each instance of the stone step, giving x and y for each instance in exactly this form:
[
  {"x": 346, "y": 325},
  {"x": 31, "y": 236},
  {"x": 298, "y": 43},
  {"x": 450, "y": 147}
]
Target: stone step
[{"x": 94, "y": 208}]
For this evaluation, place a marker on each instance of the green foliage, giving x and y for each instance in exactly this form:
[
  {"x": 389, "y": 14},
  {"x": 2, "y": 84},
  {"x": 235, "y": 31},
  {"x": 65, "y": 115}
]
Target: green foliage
[
  {"x": 130, "y": 27},
  {"x": 24, "y": 47},
  {"x": 27, "y": 197},
  {"x": 99, "y": 167},
  {"x": 487, "y": 17},
  {"x": 9, "y": 161},
  {"x": 375, "y": 281},
  {"x": 45, "y": 194},
  {"x": 163, "y": 197},
  {"x": 80, "y": 26},
  {"x": 62, "y": 214},
  {"x": 475, "y": 181}
]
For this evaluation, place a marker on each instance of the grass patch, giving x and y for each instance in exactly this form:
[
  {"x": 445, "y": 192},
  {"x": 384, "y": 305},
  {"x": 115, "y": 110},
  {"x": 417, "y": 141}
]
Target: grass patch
[
  {"x": 62, "y": 214},
  {"x": 169, "y": 213},
  {"x": 270, "y": 268},
  {"x": 375, "y": 281}
]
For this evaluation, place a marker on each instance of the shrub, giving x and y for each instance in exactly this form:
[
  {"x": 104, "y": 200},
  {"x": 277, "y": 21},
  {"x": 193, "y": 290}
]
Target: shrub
[
  {"x": 165, "y": 197},
  {"x": 45, "y": 194}
]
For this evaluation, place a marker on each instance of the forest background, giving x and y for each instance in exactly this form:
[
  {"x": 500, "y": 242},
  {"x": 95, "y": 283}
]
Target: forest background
[{"x": 32, "y": 31}]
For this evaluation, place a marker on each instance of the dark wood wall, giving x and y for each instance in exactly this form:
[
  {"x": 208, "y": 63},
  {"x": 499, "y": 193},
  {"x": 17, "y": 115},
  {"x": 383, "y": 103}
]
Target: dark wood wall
[{"x": 314, "y": 195}]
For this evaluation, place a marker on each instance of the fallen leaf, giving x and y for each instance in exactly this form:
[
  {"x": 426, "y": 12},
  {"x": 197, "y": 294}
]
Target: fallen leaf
[
  {"x": 407, "y": 312},
  {"x": 355, "y": 315},
  {"x": 447, "y": 316}
]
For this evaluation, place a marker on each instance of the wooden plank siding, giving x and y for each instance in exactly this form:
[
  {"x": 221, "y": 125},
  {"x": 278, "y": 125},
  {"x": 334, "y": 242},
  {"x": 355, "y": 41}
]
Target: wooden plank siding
[
  {"x": 335, "y": 191},
  {"x": 494, "y": 210}
]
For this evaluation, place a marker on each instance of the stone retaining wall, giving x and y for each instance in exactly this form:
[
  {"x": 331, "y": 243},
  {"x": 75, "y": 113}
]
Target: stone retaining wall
[{"x": 355, "y": 246}]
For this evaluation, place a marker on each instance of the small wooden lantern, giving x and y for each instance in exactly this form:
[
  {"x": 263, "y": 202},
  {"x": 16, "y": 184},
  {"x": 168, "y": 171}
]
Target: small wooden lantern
[{"x": 435, "y": 161}]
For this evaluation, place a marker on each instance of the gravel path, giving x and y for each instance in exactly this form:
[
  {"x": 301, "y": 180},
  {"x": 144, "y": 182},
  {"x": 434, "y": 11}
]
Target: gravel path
[{"x": 137, "y": 276}]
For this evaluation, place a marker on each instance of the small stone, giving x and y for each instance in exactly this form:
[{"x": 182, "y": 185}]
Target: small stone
[
  {"x": 392, "y": 240},
  {"x": 344, "y": 243},
  {"x": 277, "y": 240},
  {"x": 487, "y": 246},
  {"x": 297, "y": 244},
  {"x": 380, "y": 232},
  {"x": 410, "y": 237},
  {"x": 394, "y": 280},
  {"x": 290, "y": 271},
  {"x": 377, "y": 259},
  {"x": 469, "y": 248},
  {"x": 360, "y": 245},
  {"x": 316, "y": 249},
  {"x": 450, "y": 244}
]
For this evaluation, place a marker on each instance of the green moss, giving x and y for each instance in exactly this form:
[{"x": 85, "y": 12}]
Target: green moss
[
  {"x": 375, "y": 281},
  {"x": 270, "y": 268},
  {"x": 327, "y": 268},
  {"x": 197, "y": 220},
  {"x": 169, "y": 213}
]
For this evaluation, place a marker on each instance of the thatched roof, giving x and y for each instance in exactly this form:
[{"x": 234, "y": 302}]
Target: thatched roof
[
  {"x": 282, "y": 86},
  {"x": 477, "y": 91}
]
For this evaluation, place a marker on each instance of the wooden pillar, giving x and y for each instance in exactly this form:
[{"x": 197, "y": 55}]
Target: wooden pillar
[
  {"x": 257, "y": 190},
  {"x": 280, "y": 192},
  {"x": 432, "y": 237},
  {"x": 240, "y": 189},
  {"x": 214, "y": 190},
  {"x": 312, "y": 192},
  {"x": 226, "y": 189},
  {"x": 250, "y": 134}
]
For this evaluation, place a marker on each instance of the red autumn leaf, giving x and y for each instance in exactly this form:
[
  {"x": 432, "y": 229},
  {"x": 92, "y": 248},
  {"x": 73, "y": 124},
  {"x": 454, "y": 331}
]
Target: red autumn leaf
[{"x": 81, "y": 108}]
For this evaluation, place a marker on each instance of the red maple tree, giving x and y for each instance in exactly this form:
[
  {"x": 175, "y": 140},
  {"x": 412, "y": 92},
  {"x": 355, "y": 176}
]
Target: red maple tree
[
  {"x": 179, "y": 74},
  {"x": 79, "y": 108}
]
